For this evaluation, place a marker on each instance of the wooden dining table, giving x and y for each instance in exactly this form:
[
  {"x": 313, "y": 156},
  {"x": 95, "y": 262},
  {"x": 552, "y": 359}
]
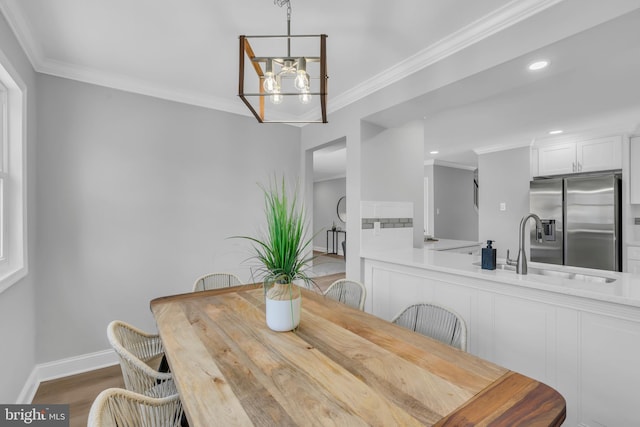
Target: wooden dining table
[{"x": 341, "y": 367}]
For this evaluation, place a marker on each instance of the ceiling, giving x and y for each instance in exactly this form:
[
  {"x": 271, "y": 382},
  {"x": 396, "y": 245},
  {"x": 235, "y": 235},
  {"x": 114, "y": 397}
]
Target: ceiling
[{"x": 187, "y": 51}]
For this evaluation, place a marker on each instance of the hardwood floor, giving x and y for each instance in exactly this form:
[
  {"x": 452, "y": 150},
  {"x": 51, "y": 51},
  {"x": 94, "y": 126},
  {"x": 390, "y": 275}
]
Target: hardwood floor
[
  {"x": 325, "y": 281},
  {"x": 79, "y": 391}
]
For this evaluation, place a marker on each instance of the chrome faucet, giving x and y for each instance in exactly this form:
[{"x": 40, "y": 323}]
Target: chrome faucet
[{"x": 521, "y": 262}]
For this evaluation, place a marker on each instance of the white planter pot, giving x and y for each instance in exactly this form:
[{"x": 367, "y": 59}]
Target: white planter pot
[{"x": 283, "y": 315}]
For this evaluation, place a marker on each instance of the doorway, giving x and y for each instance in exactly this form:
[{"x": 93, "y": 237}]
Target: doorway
[{"x": 329, "y": 187}]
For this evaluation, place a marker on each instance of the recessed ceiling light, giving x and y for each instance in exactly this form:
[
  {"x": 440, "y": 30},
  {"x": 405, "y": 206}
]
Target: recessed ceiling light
[
  {"x": 433, "y": 152},
  {"x": 538, "y": 65},
  {"x": 555, "y": 132}
]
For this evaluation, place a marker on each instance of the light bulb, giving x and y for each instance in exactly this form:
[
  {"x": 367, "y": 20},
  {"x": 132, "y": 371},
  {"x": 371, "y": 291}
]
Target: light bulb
[
  {"x": 276, "y": 98},
  {"x": 305, "y": 97},
  {"x": 302, "y": 80},
  {"x": 269, "y": 83}
]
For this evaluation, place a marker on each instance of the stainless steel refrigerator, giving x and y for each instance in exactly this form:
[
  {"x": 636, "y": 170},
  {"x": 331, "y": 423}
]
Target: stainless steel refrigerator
[{"x": 581, "y": 218}]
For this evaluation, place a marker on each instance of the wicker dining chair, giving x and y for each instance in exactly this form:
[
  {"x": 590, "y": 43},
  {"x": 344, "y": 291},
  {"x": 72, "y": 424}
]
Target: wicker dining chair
[
  {"x": 136, "y": 349},
  {"x": 435, "y": 321},
  {"x": 116, "y": 407},
  {"x": 349, "y": 292},
  {"x": 216, "y": 281}
]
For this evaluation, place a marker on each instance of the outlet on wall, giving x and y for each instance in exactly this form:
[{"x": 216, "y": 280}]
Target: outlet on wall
[{"x": 503, "y": 206}]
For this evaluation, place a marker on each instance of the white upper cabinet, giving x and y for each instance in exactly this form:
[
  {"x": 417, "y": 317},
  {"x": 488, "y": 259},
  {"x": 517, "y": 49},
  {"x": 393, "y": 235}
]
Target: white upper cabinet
[
  {"x": 583, "y": 156},
  {"x": 557, "y": 159},
  {"x": 599, "y": 154}
]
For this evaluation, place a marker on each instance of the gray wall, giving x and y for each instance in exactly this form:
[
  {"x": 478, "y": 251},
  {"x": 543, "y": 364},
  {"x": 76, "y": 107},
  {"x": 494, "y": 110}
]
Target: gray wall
[
  {"x": 137, "y": 197},
  {"x": 503, "y": 176},
  {"x": 17, "y": 307},
  {"x": 393, "y": 170},
  {"x": 325, "y": 200},
  {"x": 453, "y": 199}
]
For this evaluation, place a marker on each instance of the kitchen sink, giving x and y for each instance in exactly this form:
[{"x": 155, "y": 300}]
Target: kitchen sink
[{"x": 556, "y": 273}]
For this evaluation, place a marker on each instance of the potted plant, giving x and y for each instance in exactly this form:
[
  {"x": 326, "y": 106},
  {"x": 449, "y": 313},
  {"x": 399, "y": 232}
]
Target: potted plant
[{"x": 282, "y": 255}]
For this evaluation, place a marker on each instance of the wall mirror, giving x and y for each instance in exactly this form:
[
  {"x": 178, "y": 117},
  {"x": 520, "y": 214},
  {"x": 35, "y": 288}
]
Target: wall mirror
[{"x": 342, "y": 209}]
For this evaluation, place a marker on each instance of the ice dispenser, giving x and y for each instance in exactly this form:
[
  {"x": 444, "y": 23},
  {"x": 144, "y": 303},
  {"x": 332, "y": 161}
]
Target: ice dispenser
[{"x": 548, "y": 230}]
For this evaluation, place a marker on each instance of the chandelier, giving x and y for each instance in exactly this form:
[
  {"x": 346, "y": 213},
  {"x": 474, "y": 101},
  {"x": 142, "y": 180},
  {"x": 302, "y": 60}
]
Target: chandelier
[{"x": 285, "y": 77}]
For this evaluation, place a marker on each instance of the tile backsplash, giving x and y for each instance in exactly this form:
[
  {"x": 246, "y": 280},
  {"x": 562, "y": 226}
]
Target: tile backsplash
[
  {"x": 386, "y": 225},
  {"x": 367, "y": 223}
]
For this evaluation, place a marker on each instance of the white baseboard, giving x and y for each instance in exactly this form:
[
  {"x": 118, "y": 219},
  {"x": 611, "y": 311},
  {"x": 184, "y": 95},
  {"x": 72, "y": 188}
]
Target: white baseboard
[
  {"x": 64, "y": 368},
  {"x": 29, "y": 389}
]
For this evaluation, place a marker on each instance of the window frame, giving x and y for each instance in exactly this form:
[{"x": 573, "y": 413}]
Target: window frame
[
  {"x": 13, "y": 265},
  {"x": 4, "y": 176}
]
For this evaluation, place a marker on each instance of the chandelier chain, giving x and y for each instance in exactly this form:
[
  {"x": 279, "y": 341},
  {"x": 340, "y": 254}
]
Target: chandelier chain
[{"x": 281, "y": 3}]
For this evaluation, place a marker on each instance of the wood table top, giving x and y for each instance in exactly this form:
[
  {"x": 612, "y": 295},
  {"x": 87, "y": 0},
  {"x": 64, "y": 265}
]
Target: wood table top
[{"x": 342, "y": 367}]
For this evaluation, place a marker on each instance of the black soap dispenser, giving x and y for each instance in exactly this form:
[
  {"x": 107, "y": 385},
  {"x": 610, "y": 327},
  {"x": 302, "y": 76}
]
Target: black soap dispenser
[{"x": 489, "y": 257}]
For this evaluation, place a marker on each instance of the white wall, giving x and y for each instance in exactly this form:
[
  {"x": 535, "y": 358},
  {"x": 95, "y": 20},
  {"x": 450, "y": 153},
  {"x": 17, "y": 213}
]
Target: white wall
[
  {"x": 325, "y": 213},
  {"x": 393, "y": 170},
  {"x": 137, "y": 197},
  {"x": 453, "y": 212},
  {"x": 17, "y": 307},
  {"x": 429, "y": 174},
  {"x": 503, "y": 176}
]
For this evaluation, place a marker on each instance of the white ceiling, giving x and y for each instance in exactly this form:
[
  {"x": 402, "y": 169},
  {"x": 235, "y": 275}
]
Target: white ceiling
[{"x": 187, "y": 51}]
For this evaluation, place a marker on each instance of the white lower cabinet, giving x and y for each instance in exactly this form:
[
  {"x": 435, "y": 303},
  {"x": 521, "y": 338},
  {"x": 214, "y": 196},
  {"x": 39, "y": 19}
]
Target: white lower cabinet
[
  {"x": 587, "y": 350},
  {"x": 608, "y": 370},
  {"x": 633, "y": 260}
]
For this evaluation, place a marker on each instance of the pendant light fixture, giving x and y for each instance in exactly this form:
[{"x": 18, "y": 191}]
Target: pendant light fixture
[{"x": 283, "y": 79}]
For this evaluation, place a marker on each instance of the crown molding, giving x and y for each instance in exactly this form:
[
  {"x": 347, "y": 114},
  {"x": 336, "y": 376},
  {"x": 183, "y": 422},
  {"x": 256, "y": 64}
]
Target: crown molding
[
  {"x": 492, "y": 23},
  {"x": 129, "y": 84},
  {"x": 454, "y": 165},
  {"x": 496, "y": 148},
  {"x": 434, "y": 162},
  {"x": 23, "y": 33}
]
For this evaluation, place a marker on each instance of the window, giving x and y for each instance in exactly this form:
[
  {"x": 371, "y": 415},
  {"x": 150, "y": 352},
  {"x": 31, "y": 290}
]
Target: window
[
  {"x": 13, "y": 259},
  {"x": 3, "y": 168}
]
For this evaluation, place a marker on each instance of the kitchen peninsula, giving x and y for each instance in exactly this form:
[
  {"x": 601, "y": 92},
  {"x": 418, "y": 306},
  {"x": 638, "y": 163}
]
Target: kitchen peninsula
[
  {"x": 581, "y": 337},
  {"x": 449, "y": 245}
]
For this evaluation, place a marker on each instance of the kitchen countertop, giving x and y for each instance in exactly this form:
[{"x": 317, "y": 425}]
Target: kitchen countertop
[
  {"x": 625, "y": 290},
  {"x": 446, "y": 244}
]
